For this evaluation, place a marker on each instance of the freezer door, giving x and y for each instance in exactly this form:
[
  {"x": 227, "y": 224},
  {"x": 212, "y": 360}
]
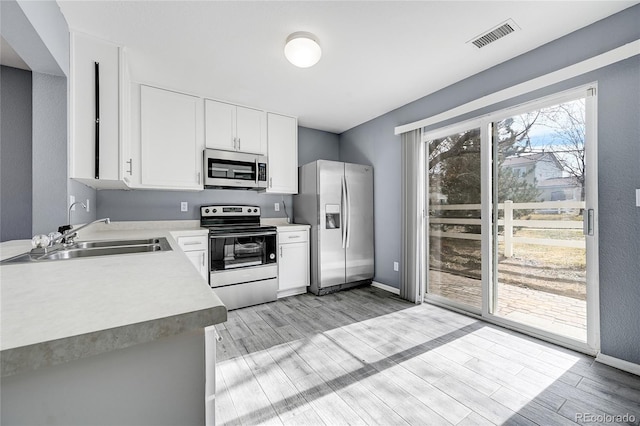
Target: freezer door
[
  {"x": 331, "y": 231},
  {"x": 359, "y": 220}
]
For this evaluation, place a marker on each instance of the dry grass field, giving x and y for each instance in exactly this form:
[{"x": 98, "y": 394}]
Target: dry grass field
[{"x": 556, "y": 270}]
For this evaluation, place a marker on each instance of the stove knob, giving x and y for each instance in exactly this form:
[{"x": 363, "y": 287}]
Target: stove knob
[
  {"x": 255, "y": 210},
  {"x": 206, "y": 210},
  {"x": 215, "y": 210}
]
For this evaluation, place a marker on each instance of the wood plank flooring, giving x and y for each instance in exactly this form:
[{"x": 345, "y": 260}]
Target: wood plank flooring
[{"x": 366, "y": 357}]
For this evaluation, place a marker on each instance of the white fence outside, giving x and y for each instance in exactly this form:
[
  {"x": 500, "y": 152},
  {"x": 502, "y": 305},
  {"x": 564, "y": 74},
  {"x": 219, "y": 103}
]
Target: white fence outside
[{"x": 508, "y": 222}]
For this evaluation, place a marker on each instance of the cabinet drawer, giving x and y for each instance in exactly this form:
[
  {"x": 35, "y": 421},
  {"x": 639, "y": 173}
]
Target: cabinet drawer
[
  {"x": 293, "y": 237},
  {"x": 193, "y": 243}
]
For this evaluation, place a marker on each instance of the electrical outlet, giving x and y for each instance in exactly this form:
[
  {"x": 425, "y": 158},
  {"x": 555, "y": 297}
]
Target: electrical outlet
[
  {"x": 88, "y": 206},
  {"x": 184, "y": 206},
  {"x": 277, "y": 207},
  {"x": 638, "y": 197},
  {"x": 72, "y": 199},
  {"x": 396, "y": 266}
]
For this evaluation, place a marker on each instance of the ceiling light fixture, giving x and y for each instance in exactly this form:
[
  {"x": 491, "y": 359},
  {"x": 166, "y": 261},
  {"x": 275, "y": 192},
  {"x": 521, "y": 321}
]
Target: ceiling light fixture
[{"x": 302, "y": 49}]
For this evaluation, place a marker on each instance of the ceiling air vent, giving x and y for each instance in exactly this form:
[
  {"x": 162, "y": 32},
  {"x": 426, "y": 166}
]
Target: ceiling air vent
[{"x": 497, "y": 33}]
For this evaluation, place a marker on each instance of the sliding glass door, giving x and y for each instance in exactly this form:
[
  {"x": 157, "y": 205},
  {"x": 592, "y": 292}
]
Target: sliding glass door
[
  {"x": 454, "y": 230},
  {"x": 512, "y": 226},
  {"x": 540, "y": 274}
]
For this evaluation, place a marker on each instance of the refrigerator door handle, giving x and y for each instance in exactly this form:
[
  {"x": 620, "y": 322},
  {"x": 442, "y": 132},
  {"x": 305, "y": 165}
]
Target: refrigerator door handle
[
  {"x": 348, "y": 218},
  {"x": 343, "y": 213}
]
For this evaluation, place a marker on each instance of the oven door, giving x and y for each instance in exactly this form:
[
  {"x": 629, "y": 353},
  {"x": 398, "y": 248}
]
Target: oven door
[
  {"x": 239, "y": 250},
  {"x": 244, "y": 269}
]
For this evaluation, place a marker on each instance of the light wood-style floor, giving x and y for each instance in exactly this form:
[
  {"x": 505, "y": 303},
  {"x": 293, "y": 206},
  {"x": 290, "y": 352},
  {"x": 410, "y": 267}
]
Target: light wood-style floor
[{"x": 365, "y": 356}]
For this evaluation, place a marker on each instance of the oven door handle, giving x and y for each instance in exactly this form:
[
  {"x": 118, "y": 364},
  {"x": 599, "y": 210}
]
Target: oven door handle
[{"x": 248, "y": 234}]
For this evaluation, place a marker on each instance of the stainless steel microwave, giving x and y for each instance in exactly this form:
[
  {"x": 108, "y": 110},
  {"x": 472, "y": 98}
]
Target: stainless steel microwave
[{"x": 227, "y": 169}]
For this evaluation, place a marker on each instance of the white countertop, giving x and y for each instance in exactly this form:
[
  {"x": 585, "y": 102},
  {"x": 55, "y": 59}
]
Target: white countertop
[
  {"x": 283, "y": 225},
  {"x": 144, "y": 295}
]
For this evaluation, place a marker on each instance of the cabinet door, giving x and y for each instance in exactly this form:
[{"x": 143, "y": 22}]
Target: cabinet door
[
  {"x": 199, "y": 260},
  {"x": 282, "y": 141},
  {"x": 85, "y": 53},
  {"x": 250, "y": 130},
  {"x": 293, "y": 269},
  {"x": 220, "y": 125},
  {"x": 171, "y": 147}
]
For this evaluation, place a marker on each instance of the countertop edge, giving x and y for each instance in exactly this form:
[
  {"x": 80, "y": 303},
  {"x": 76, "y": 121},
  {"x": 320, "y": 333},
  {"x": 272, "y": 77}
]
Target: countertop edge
[{"x": 32, "y": 357}]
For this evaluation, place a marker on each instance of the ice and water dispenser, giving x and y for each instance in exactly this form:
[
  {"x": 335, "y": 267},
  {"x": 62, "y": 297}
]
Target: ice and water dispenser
[{"x": 332, "y": 214}]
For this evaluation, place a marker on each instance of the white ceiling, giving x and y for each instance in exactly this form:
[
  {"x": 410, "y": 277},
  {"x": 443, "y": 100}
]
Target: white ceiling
[{"x": 377, "y": 55}]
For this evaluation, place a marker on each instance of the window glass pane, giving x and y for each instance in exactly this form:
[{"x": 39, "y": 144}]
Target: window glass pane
[
  {"x": 454, "y": 218},
  {"x": 540, "y": 252}
]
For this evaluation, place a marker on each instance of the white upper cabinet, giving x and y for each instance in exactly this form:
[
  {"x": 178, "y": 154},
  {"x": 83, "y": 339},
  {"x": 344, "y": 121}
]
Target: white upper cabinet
[
  {"x": 234, "y": 128},
  {"x": 95, "y": 114},
  {"x": 282, "y": 141},
  {"x": 170, "y": 140},
  {"x": 220, "y": 125}
]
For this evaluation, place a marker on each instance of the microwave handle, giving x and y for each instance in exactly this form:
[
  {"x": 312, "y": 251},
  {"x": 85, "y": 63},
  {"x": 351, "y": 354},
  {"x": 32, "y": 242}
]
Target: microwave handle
[{"x": 257, "y": 171}]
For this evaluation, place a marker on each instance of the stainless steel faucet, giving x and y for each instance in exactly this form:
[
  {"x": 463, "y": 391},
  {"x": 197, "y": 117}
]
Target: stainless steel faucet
[
  {"x": 69, "y": 235},
  {"x": 71, "y": 208}
]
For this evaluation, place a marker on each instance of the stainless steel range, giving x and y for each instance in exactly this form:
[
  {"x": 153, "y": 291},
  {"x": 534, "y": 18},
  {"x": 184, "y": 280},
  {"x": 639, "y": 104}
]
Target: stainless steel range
[{"x": 242, "y": 255}]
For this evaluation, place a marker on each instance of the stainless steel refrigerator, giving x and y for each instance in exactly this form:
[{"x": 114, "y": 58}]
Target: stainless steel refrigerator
[{"x": 336, "y": 199}]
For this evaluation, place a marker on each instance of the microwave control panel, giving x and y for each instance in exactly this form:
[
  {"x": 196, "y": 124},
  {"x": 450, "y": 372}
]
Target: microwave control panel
[{"x": 262, "y": 172}]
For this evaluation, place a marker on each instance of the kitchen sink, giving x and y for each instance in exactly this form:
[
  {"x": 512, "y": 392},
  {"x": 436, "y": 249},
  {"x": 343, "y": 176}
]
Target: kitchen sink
[
  {"x": 94, "y": 248},
  {"x": 114, "y": 243}
]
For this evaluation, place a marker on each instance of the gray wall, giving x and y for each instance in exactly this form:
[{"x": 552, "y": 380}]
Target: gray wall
[
  {"x": 15, "y": 154},
  {"x": 38, "y": 32},
  {"x": 84, "y": 194},
  {"x": 317, "y": 145},
  {"x": 374, "y": 144},
  {"x": 165, "y": 205},
  {"x": 49, "y": 189},
  {"x": 619, "y": 156}
]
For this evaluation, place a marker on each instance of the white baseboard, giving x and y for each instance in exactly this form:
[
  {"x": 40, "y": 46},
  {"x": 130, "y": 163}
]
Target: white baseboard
[
  {"x": 618, "y": 363},
  {"x": 385, "y": 287}
]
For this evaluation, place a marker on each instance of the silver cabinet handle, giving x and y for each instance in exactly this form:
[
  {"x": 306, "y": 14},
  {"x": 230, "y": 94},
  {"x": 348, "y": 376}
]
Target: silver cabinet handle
[
  {"x": 203, "y": 257},
  {"x": 198, "y": 177},
  {"x": 270, "y": 182},
  {"x": 239, "y": 146},
  {"x": 280, "y": 251},
  {"x": 130, "y": 162},
  {"x": 192, "y": 243}
]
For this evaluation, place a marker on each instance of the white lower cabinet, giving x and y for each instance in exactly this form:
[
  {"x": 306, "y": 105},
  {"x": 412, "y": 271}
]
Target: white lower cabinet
[
  {"x": 293, "y": 262},
  {"x": 199, "y": 260},
  {"x": 196, "y": 249},
  {"x": 211, "y": 338}
]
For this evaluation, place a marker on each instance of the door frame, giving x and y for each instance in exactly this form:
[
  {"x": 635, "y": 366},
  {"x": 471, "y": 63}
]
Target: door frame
[{"x": 589, "y": 92}]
